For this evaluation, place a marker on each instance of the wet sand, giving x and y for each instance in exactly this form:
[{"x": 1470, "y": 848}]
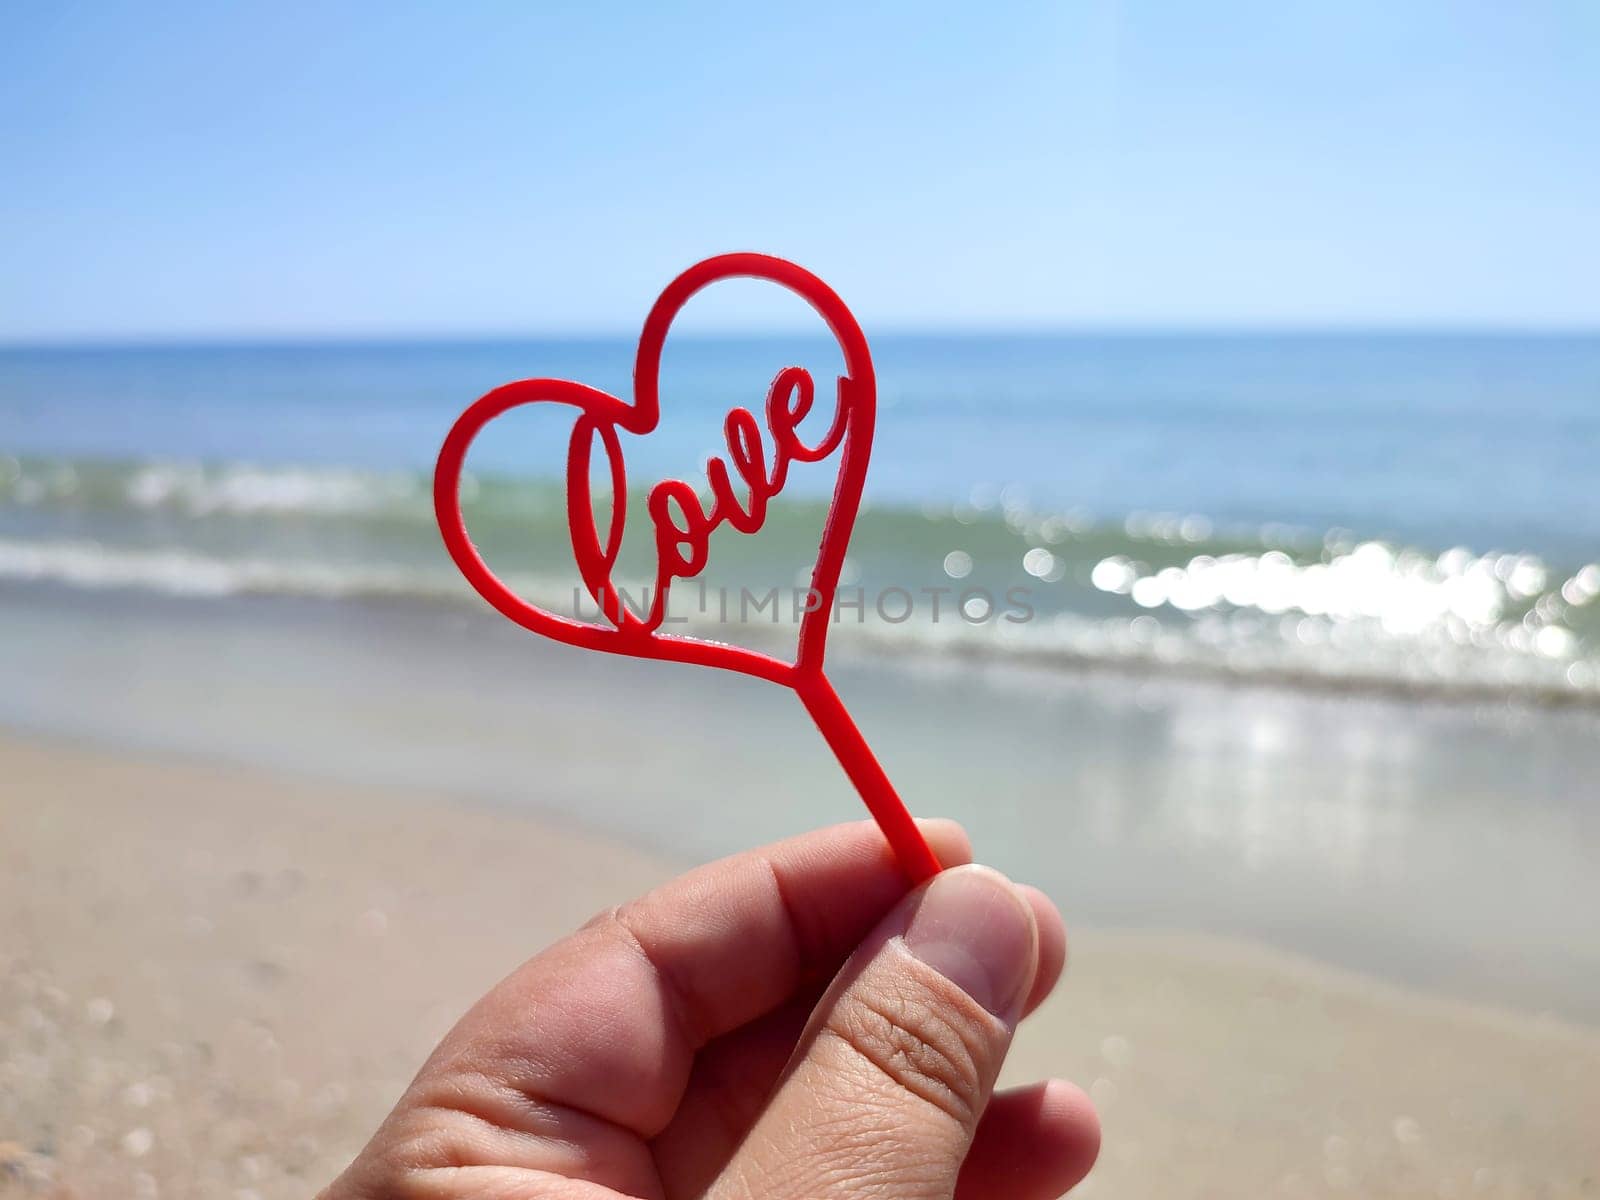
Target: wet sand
[{"x": 214, "y": 980}]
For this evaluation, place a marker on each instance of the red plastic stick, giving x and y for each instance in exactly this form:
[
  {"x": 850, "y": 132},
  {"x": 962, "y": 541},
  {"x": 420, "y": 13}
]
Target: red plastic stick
[{"x": 683, "y": 525}]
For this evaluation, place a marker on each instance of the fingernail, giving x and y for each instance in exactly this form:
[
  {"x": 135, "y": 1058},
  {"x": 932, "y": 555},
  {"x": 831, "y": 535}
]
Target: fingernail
[{"x": 977, "y": 931}]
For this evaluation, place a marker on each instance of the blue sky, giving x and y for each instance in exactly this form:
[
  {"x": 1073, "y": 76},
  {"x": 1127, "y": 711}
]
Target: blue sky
[{"x": 221, "y": 170}]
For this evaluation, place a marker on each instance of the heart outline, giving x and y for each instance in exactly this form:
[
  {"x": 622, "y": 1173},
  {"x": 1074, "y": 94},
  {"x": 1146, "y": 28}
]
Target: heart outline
[{"x": 604, "y": 413}]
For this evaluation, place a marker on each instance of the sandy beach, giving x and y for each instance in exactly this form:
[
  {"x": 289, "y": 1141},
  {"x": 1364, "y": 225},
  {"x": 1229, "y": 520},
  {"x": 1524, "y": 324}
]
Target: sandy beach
[{"x": 215, "y": 980}]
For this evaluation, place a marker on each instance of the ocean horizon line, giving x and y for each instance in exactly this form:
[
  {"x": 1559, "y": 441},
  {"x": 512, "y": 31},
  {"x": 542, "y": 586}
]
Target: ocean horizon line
[{"x": 903, "y": 333}]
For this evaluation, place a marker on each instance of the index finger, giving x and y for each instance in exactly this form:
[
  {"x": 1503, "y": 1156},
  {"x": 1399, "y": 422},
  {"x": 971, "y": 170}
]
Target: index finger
[
  {"x": 607, "y": 1021},
  {"x": 734, "y": 939}
]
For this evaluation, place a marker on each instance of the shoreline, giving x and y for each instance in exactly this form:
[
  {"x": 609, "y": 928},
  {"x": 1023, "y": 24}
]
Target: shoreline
[
  {"x": 219, "y": 977},
  {"x": 1079, "y": 644}
]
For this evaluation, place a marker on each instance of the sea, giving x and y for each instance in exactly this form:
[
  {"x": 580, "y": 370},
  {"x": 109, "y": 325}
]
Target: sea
[
  {"x": 1306, "y": 646},
  {"x": 1392, "y": 512}
]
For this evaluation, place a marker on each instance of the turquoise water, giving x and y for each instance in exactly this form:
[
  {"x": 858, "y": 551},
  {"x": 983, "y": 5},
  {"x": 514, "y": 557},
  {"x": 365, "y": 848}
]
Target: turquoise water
[{"x": 1402, "y": 512}]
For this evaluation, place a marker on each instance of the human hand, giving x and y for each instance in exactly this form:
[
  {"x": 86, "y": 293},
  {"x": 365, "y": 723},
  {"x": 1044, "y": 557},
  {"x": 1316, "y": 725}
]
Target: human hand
[{"x": 711, "y": 1040}]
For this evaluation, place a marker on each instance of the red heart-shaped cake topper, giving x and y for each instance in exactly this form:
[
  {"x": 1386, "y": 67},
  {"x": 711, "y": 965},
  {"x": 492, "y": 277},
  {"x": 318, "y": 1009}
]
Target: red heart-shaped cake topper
[{"x": 683, "y": 524}]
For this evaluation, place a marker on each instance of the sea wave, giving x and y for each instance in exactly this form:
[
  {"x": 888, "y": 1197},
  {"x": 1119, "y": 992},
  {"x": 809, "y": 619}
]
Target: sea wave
[
  {"x": 1167, "y": 593},
  {"x": 92, "y": 565},
  {"x": 198, "y": 490}
]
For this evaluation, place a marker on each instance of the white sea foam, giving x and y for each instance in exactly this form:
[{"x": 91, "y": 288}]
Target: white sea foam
[
  {"x": 87, "y": 564},
  {"x": 1364, "y": 651},
  {"x": 242, "y": 489}
]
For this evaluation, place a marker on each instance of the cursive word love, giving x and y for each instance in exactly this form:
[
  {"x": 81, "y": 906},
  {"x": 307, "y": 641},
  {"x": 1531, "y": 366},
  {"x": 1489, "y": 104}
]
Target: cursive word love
[{"x": 682, "y": 523}]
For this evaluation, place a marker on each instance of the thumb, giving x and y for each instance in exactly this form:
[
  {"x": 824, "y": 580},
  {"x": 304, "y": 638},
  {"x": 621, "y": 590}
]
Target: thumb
[{"x": 897, "y": 1064}]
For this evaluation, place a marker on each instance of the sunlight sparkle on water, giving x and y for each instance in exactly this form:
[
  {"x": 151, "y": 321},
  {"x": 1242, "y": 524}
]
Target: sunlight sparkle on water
[
  {"x": 958, "y": 564},
  {"x": 1511, "y": 601}
]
